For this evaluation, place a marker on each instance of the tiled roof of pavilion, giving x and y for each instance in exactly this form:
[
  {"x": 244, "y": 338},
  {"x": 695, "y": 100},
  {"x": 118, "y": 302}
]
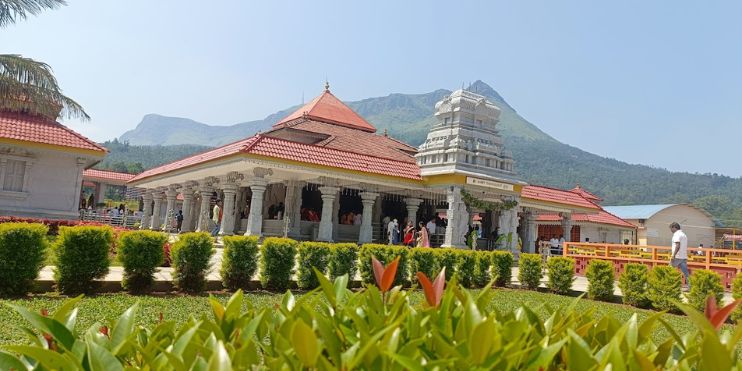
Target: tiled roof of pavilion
[
  {"x": 37, "y": 129},
  {"x": 107, "y": 175},
  {"x": 584, "y": 193},
  {"x": 602, "y": 217},
  {"x": 560, "y": 196},
  {"x": 327, "y": 108}
]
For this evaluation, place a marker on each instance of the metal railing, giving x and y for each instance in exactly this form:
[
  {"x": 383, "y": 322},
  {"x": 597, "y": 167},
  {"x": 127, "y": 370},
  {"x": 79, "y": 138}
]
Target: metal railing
[{"x": 127, "y": 221}]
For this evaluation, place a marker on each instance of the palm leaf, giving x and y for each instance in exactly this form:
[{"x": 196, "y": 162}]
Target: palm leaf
[{"x": 11, "y": 11}]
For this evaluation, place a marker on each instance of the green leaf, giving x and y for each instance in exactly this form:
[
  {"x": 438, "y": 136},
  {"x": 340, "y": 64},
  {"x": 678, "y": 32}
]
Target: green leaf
[
  {"x": 305, "y": 343},
  {"x": 326, "y": 286},
  {"x": 123, "y": 329},
  {"x": 45, "y": 324},
  {"x": 100, "y": 359},
  {"x": 67, "y": 313},
  {"x": 579, "y": 354},
  {"x": 341, "y": 287},
  {"x": 9, "y": 362},
  {"x": 407, "y": 362},
  {"x": 220, "y": 360},
  {"x": 48, "y": 358},
  {"x": 481, "y": 341},
  {"x": 234, "y": 305},
  {"x": 714, "y": 354}
]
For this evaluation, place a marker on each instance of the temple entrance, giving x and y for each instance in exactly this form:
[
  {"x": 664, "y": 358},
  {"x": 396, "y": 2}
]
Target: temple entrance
[
  {"x": 311, "y": 204},
  {"x": 351, "y": 208}
]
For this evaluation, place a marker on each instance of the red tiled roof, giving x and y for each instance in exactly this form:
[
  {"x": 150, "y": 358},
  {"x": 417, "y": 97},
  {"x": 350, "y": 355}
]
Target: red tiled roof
[
  {"x": 107, "y": 175},
  {"x": 602, "y": 217},
  {"x": 37, "y": 129},
  {"x": 327, "y": 108},
  {"x": 582, "y": 192},
  {"x": 547, "y": 194}
]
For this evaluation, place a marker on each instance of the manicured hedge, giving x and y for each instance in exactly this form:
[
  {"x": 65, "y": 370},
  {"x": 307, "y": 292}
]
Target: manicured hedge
[
  {"x": 737, "y": 294},
  {"x": 81, "y": 257},
  {"x": 600, "y": 279},
  {"x": 240, "y": 261},
  {"x": 385, "y": 254},
  {"x": 482, "y": 274},
  {"x": 422, "y": 259},
  {"x": 449, "y": 258},
  {"x": 633, "y": 285},
  {"x": 277, "y": 259},
  {"x": 466, "y": 267},
  {"x": 191, "y": 259},
  {"x": 702, "y": 284},
  {"x": 23, "y": 249},
  {"x": 664, "y": 284},
  {"x": 530, "y": 271},
  {"x": 502, "y": 265},
  {"x": 140, "y": 252},
  {"x": 561, "y": 274},
  {"x": 312, "y": 255},
  {"x": 344, "y": 260}
]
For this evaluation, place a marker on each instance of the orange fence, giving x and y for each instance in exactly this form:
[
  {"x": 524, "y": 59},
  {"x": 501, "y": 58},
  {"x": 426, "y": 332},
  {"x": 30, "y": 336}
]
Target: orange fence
[{"x": 723, "y": 261}]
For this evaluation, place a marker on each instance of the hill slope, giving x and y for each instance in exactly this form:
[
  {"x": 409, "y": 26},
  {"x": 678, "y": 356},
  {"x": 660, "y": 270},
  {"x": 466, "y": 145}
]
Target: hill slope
[{"x": 540, "y": 159}]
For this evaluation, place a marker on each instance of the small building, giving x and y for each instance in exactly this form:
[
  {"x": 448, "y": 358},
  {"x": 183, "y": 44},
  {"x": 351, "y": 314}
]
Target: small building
[
  {"x": 41, "y": 166},
  {"x": 99, "y": 182},
  {"x": 653, "y": 223}
]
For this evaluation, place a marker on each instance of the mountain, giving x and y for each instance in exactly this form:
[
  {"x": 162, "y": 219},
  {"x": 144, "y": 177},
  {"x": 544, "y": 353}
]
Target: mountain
[{"x": 540, "y": 159}]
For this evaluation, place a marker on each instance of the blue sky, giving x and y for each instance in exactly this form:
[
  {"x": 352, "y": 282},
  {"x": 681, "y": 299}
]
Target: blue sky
[{"x": 651, "y": 82}]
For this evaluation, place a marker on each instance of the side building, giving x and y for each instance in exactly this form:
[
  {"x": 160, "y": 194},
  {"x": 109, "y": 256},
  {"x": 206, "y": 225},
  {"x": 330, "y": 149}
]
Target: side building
[{"x": 653, "y": 223}]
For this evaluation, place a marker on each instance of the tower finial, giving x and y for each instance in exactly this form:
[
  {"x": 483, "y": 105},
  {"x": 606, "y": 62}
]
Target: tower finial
[{"x": 327, "y": 85}]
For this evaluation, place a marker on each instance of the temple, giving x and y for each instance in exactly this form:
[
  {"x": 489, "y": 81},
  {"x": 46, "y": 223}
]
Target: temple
[{"x": 324, "y": 173}]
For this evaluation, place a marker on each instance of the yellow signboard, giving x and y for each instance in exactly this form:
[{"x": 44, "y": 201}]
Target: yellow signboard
[{"x": 489, "y": 184}]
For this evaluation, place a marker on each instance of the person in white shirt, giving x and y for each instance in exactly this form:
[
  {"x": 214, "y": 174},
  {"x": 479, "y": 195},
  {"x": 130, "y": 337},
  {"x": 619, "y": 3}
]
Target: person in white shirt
[
  {"x": 554, "y": 244},
  {"x": 357, "y": 219},
  {"x": 431, "y": 226},
  {"x": 679, "y": 250}
]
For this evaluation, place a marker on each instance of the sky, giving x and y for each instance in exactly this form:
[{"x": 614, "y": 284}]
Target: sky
[{"x": 651, "y": 82}]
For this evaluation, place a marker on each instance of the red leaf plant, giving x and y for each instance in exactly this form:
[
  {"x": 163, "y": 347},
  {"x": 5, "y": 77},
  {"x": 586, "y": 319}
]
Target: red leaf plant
[
  {"x": 717, "y": 316},
  {"x": 384, "y": 275},
  {"x": 433, "y": 291}
]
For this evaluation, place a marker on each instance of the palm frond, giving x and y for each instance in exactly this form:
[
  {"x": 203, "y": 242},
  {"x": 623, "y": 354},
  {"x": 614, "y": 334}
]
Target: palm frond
[{"x": 11, "y": 11}]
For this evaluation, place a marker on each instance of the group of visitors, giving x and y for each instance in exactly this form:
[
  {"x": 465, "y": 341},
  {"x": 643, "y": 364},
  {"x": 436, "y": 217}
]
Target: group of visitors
[
  {"x": 351, "y": 218},
  {"x": 412, "y": 236},
  {"x": 276, "y": 211},
  {"x": 309, "y": 214}
]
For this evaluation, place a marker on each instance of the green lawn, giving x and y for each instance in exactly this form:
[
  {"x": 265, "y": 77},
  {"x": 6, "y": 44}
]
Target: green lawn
[{"x": 104, "y": 307}]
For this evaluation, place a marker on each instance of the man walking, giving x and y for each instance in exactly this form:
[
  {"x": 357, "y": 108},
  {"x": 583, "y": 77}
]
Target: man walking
[
  {"x": 680, "y": 250},
  {"x": 217, "y": 218}
]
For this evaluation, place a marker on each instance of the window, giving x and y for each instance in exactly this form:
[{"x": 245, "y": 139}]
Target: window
[
  {"x": 445, "y": 120},
  {"x": 14, "y": 175},
  {"x": 487, "y": 162},
  {"x": 445, "y": 157}
]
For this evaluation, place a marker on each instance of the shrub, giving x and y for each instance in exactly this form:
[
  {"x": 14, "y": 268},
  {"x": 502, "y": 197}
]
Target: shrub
[
  {"x": 344, "y": 260},
  {"x": 140, "y": 252},
  {"x": 482, "y": 273},
  {"x": 663, "y": 287},
  {"x": 82, "y": 257},
  {"x": 385, "y": 254},
  {"x": 600, "y": 279},
  {"x": 312, "y": 255},
  {"x": 277, "y": 259},
  {"x": 702, "y": 284},
  {"x": 561, "y": 274},
  {"x": 191, "y": 255},
  {"x": 422, "y": 259},
  {"x": 22, "y": 254},
  {"x": 240, "y": 261},
  {"x": 449, "y": 258},
  {"x": 502, "y": 265},
  {"x": 633, "y": 285},
  {"x": 737, "y": 294},
  {"x": 466, "y": 267},
  {"x": 530, "y": 270}
]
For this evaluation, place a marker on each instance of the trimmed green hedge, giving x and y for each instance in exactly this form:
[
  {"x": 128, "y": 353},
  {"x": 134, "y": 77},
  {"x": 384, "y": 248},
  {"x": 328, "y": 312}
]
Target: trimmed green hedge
[
  {"x": 633, "y": 285},
  {"x": 312, "y": 255},
  {"x": 737, "y": 294},
  {"x": 344, "y": 260},
  {"x": 422, "y": 259},
  {"x": 22, "y": 253},
  {"x": 561, "y": 274},
  {"x": 81, "y": 258},
  {"x": 466, "y": 267},
  {"x": 482, "y": 274},
  {"x": 530, "y": 271},
  {"x": 385, "y": 254},
  {"x": 600, "y": 279},
  {"x": 277, "y": 259},
  {"x": 664, "y": 287},
  {"x": 140, "y": 252},
  {"x": 702, "y": 284},
  {"x": 449, "y": 258},
  {"x": 191, "y": 255},
  {"x": 502, "y": 265},
  {"x": 240, "y": 261}
]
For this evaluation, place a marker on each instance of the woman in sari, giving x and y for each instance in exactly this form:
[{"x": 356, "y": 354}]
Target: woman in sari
[
  {"x": 422, "y": 239},
  {"x": 409, "y": 235}
]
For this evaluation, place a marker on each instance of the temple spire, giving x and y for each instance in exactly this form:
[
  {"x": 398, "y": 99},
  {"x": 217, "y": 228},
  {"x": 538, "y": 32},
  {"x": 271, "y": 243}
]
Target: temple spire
[{"x": 327, "y": 85}]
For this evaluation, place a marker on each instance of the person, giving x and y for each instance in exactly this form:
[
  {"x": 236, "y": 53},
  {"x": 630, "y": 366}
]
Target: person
[
  {"x": 392, "y": 232},
  {"x": 385, "y": 222},
  {"x": 217, "y": 218},
  {"x": 554, "y": 245},
  {"x": 280, "y": 210},
  {"x": 680, "y": 250},
  {"x": 587, "y": 239},
  {"x": 271, "y": 211},
  {"x": 474, "y": 237},
  {"x": 179, "y": 219},
  {"x": 561, "y": 242},
  {"x": 357, "y": 219},
  {"x": 700, "y": 249},
  {"x": 431, "y": 226},
  {"x": 409, "y": 235},
  {"x": 423, "y": 239}
]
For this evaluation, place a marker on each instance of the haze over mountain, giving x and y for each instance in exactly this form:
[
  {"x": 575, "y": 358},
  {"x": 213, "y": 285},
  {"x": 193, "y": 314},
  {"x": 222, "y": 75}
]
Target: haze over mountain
[{"x": 539, "y": 158}]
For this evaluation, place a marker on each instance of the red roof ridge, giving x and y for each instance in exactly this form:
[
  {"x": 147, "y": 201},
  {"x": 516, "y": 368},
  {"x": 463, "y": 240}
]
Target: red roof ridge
[{"x": 329, "y": 109}]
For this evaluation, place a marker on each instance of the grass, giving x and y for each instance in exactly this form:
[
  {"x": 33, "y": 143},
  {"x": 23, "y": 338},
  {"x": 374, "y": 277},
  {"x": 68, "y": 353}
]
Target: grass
[{"x": 106, "y": 307}]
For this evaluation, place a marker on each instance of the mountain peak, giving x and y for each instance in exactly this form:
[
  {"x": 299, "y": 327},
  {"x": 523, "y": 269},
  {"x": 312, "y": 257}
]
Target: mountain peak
[{"x": 482, "y": 88}]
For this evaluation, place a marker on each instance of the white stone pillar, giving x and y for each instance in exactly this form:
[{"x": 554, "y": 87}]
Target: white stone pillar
[
  {"x": 156, "y": 223},
  {"x": 458, "y": 219},
  {"x": 509, "y": 228},
  {"x": 326, "y": 223},
  {"x": 367, "y": 199},
  {"x": 100, "y": 194},
  {"x": 255, "y": 219},
  {"x": 228, "y": 218},
  {"x": 530, "y": 233},
  {"x": 292, "y": 203},
  {"x": 187, "y": 209},
  {"x": 203, "y": 214},
  {"x": 147, "y": 210},
  {"x": 412, "y": 204},
  {"x": 567, "y": 226},
  {"x": 170, "y": 195}
]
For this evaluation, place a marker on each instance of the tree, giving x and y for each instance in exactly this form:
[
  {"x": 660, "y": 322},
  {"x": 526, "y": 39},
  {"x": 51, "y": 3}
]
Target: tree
[{"x": 27, "y": 85}]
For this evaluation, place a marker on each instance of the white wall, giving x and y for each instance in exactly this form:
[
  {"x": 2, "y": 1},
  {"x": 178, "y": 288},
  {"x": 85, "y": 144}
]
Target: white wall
[
  {"x": 698, "y": 226},
  {"x": 600, "y": 233}
]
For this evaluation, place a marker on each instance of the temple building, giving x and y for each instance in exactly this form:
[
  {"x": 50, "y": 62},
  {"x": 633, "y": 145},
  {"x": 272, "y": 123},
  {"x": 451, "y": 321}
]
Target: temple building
[{"x": 324, "y": 173}]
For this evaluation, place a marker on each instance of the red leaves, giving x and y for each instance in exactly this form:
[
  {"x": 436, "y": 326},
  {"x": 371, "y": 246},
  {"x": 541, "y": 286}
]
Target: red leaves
[
  {"x": 161, "y": 317},
  {"x": 384, "y": 275},
  {"x": 44, "y": 312},
  {"x": 717, "y": 316},
  {"x": 434, "y": 291},
  {"x": 103, "y": 330}
]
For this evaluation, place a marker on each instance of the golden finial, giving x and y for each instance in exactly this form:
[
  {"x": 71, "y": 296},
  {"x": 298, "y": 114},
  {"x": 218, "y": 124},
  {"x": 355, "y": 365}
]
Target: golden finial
[
  {"x": 327, "y": 85},
  {"x": 385, "y": 133}
]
